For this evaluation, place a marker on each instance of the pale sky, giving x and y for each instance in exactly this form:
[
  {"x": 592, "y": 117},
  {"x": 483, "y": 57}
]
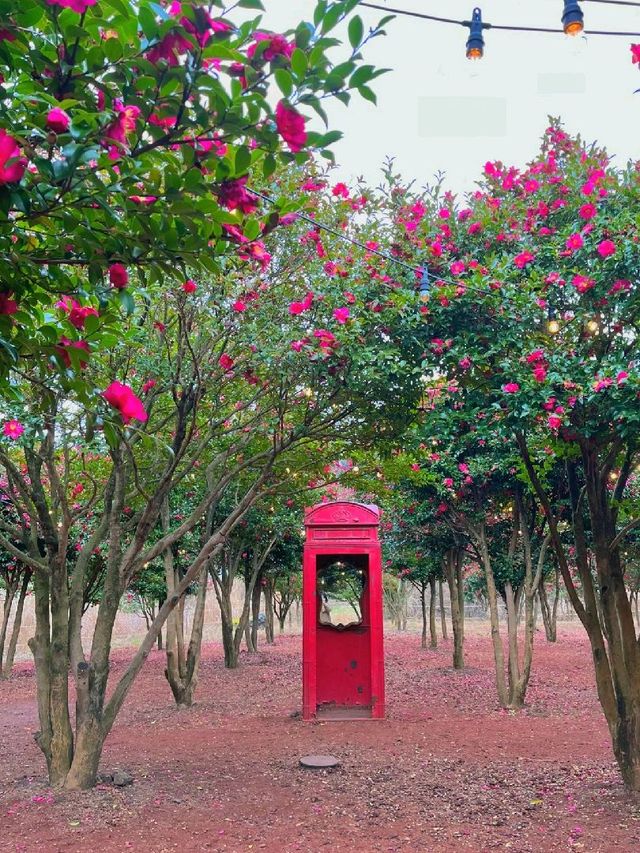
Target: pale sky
[{"x": 439, "y": 111}]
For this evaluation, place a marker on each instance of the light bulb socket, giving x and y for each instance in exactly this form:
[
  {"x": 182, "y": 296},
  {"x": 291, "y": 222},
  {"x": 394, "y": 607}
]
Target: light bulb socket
[
  {"x": 572, "y": 18},
  {"x": 475, "y": 42}
]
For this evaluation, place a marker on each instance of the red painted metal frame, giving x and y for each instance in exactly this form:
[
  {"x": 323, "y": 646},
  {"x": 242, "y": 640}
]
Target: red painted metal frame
[{"x": 343, "y": 529}]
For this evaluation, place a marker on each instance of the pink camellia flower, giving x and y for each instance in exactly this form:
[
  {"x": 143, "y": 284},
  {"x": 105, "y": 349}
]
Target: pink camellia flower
[
  {"x": 582, "y": 283},
  {"x": 349, "y": 297},
  {"x": 415, "y": 466},
  {"x": 326, "y": 339},
  {"x": 57, "y": 120},
  {"x": 277, "y": 46},
  {"x": 12, "y": 164},
  {"x": 457, "y": 268},
  {"x": 622, "y": 377},
  {"x": 340, "y": 190},
  {"x": 448, "y": 482},
  {"x": 8, "y": 305},
  {"x": 290, "y": 126},
  {"x": 79, "y": 6},
  {"x": 143, "y": 199},
  {"x": 233, "y": 195},
  {"x": 122, "y": 398},
  {"x": 635, "y": 53},
  {"x": 511, "y": 388},
  {"x": 444, "y": 213},
  {"x": 620, "y": 285},
  {"x": 299, "y": 307},
  {"x": 79, "y": 313},
  {"x": 189, "y": 286},
  {"x": 554, "y": 421},
  {"x": 118, "y": 276},
  {"x": 463, "y": 468},
  {"x": 602, "y": 384},
  {"x": 12, "y": 429},
  {"x": 587, "y": 211},
  {"x": 465, "y": 363},
  {"x": 63, "y": 351},
  {"x": 239, "y": 306},
  {"x": 606, "y": 248},
  {"x": 536, "y": 355},
  {"x": 523, "y": 259},
  {"x": 225, "y": 361},
  {"x": 540, "y": 373},
  {"x": 575, "y": 242},
  {"x": 296, "y": 346},
  {"x": 148, "y": 385},
  {"x": 115, "y": 134},
  {"x": 341, "y": 315},
  {"x": 474, "y": 228}
]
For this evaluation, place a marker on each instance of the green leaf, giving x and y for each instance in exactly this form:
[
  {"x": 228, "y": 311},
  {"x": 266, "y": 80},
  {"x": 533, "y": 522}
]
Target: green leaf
[
  {"x": 356, "y": 31},
  {"x": 299, "y": 64},
  {"x": 368, "y": 94},
  {"x": 284, "y": 81}
]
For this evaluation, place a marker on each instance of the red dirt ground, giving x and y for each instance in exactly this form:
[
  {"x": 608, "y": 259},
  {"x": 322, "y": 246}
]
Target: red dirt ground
[{"x": 447, "y": 771}]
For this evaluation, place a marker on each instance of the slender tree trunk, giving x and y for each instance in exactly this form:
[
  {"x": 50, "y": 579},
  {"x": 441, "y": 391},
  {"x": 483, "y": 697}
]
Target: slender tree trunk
[
  {"x": 9, "y": 595},
  {"x": 256, "y": 595},
  {"x": 512, "y": 633},
  {"x": 423, "y": 608},
  {"x": 433, "y": 636},
  {"x": 496, "y": 639},
  {"x": 453, "y": 572},
  {"x": 15, "y": 630},
  {"x": 268, "y": 611},
  {"x": 443, "y": 615}
]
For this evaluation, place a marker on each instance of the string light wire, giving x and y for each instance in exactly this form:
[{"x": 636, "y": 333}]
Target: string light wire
[
  {"x": 506, "y": 27},
  {"x": 419, "y": 270}
]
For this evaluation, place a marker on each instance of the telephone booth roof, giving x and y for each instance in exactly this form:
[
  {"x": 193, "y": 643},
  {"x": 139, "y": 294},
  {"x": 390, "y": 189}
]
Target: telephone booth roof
[{"x": 342, "y": 514}]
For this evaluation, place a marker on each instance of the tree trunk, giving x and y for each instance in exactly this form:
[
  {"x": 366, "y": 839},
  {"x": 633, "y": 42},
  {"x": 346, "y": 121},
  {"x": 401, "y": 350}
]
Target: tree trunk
[
  {"x": 443, "y": 615},
  {"x": 5, "y": 671},
  {"x": 512, "y": 633},
  {"x": 256, "y": 595},
  {"x": 433, "y": 637},
  {"x": 423, "y": 608},
  {"x": 9, "y": 595},
  {"x": 496, "y": 639},
  {"x": 453, "y": 572},
  {"x": 268, "y": 612},
  {"x": 282, "y": 620}
]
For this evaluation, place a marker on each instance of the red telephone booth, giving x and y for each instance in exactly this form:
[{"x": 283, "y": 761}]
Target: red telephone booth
[{"x": 342, "y": 651}]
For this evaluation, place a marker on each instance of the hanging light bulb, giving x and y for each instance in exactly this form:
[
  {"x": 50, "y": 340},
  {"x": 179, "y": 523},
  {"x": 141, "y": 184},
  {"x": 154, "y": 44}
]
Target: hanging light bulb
[
  {"x": 593, "y": 326},
  {"x": 572, "y": 18},
  {"x": 424, "y": 285},
  {"x": 475, "y": 42},
  {"x": 553, "y": 327}
]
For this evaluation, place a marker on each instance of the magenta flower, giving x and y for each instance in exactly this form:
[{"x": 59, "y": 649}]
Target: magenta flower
[
  {"x": 118, "y": 276},
  {"x": 635, "y": 53},
  {"x": 79, "y": 6},
  {"x": 523, "y": 259},
  {"x": 511, "y": 388},
  {"x": 341, "y": 315},
  {"x": 606, "y": 248},
  {"x": 239, "y": 306},
  {"x": 12, "y": 165},
  {"x": 290, "y": 126},
  {"x": 225, "y": 361},
  {"x": 189, "y": 286},
  {"x": 122, "y": 398},
  {"x": 57, "y": 120},
  {"x": 588, "y": 211},
  {"x": 575, "y": 242},
  {"x": 13, "y": 429}
]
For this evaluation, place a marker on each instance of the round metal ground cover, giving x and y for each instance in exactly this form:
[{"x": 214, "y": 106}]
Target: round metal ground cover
[{"x": 319, "y": 762}]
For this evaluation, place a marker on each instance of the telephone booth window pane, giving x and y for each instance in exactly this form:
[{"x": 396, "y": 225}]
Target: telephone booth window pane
[{"x": 340, "y": 587}]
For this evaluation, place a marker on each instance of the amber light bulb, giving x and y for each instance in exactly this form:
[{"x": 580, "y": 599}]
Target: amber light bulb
[{"x": 572, "y": 18}]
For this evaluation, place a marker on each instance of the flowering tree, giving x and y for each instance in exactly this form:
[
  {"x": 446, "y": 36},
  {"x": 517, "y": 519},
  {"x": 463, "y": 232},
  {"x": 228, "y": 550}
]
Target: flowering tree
[
  {"x": 532, "y": 321},
  {"x": 130, "y": 130}
]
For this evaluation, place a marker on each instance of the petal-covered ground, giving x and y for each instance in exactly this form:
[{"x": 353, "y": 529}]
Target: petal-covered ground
[{"x": 446, "y": 771}]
